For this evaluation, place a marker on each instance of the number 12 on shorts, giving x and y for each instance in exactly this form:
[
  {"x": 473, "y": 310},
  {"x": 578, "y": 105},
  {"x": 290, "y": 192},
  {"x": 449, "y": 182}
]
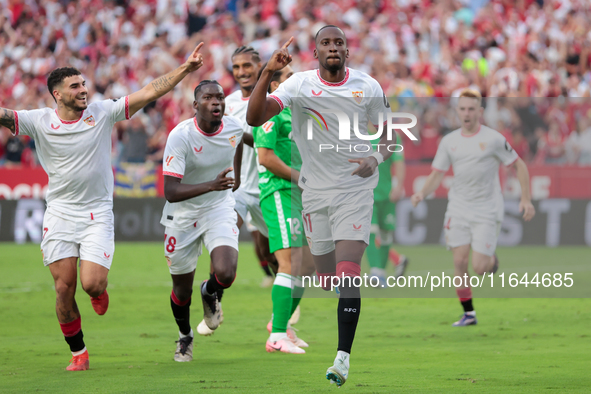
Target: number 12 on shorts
[{"x": 307, "y": 221}]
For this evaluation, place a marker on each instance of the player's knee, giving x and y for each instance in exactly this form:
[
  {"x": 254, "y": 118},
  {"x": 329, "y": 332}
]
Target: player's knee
[
  {"x": 461, "y": 262},
  {"x": 95, "y": 287},
  {"x": 226, "y": 276},
  {"x": 64, "y": 288}
]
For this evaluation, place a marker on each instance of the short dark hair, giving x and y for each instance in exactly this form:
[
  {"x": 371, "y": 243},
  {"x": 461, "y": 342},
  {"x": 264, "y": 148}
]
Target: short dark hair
[
  {"x": 247, "y": 49},
  {"x": 202, "y": 84},
  {"x": 275, "y": 78},
  {"x": 58, "y": 75},
  {"x": 326, "y": 27}
]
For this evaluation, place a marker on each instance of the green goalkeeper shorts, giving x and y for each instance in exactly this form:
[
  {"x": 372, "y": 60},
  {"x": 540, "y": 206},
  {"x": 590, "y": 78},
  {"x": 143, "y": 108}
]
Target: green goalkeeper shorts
[
  {"x": 384, "y": 216},
  {"x": 282, "y": 212}
]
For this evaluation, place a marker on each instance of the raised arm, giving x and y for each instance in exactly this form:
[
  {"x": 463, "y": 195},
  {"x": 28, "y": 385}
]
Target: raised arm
[
  {"x": 431, "y": 184},
  {"x": 160, "y": 86},
  {"x": 525, "y": 204},
  {"x": 7, "y": 119},
  {"x": 260, "y": 107}
]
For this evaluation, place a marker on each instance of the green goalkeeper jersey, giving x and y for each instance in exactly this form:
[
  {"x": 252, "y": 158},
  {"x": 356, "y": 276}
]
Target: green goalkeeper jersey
[
  {"x": 382, "y": 190},
  {"x": 276, "y": 134}
]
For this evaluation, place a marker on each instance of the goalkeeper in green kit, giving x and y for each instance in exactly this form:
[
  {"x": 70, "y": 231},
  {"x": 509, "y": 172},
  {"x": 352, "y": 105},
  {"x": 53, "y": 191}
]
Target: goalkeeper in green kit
[
  {"x": 279, "y": 164},
  {"x": 390, "y": 189}
]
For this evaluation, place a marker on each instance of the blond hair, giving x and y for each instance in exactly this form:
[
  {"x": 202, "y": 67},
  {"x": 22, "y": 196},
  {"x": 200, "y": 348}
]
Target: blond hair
[{"x": 471, "y": 93}]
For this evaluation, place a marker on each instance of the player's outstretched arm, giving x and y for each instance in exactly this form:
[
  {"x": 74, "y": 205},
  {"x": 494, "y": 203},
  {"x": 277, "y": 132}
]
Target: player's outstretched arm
[
  {"x": 431, "y": 184},
  {"x": 7, "y": 119},
  {"x": 260, "y": 107},
  {"x": 272, "y": 162},
  {"x": 525, "y": 204},
  {"x": 175, "y": 191},
  {"x": 238, "y": 164},
  {"x": 160, "y": 86}
]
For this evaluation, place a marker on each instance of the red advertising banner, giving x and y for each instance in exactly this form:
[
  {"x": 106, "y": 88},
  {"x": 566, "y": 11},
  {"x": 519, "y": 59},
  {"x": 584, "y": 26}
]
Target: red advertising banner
[{"x": 546, "y": 182}]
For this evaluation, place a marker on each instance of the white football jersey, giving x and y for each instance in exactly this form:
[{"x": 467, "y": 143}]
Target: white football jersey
[
  {"x": 76, "y": 155},
  {"x": 309, "y": 96},
  {"x": 475, "y": 193},
  {"x": 236, "y": 106},
  {"x": 196, "y": 157}
]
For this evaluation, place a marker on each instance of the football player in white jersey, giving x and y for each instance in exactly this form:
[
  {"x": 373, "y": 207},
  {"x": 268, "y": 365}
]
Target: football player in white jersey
[
  {"x": 337, "y": 185},
  {"x": 199, "y": 154},
  {"x": 475, "y": 208},
  {"x": 246, "y": 64},
  {"x": 74, "y": 147}
]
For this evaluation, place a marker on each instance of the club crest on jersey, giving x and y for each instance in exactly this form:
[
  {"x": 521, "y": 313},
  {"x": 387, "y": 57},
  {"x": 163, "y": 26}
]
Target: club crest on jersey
[
  {"x": 89, "y": 121},
  {"x": 482, "y": 146},
  {"x": 358, "y": 96},
  {"x": 232, "y": 140}
]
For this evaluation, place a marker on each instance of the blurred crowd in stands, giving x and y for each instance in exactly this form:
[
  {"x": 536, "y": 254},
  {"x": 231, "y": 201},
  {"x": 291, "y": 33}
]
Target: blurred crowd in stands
[{"x": 530, "y": 59}]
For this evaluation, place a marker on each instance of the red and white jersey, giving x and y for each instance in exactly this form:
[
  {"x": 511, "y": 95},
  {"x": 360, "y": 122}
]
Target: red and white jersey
[
  {"x": 76, "y": 155},
  {"x": 326, "y": 170},
  {"x": 475, "y": 193},
  {"x": 236, "y": 106},
  {"x": 196, "y": 157}
]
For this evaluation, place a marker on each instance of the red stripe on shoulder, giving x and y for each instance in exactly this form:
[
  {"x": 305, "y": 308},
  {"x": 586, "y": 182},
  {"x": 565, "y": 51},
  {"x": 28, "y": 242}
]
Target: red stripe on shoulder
[
  {"x": 126, "y": 107},
  {"x": 15, "y": 123},
  {"x": 278, "y": 101},
  {"x": 174, "y": 174}
]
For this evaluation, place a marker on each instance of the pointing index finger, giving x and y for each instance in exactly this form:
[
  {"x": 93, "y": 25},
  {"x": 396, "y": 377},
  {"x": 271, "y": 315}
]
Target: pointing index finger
[
  {"x": 197, "y": 49},
  {"x": 287, "y": 43}
]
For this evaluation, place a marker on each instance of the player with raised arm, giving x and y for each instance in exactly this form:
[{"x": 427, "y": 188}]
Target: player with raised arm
[
  {"x": 475, "y": 207},
  {"x": 390, "y": 189},
  {"x": 198, "y": 156},
  {"x": 281, "y": 203},
  {"x": 74, "y": 147},
  {"x": 337, "y": 185}
]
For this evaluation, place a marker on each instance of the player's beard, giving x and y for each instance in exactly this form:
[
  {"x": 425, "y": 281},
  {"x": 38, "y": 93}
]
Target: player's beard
[
  {"x": 72, "y": 104},
  {"x": 333, "y": 68},
  {"x": 215, "y": 124}
]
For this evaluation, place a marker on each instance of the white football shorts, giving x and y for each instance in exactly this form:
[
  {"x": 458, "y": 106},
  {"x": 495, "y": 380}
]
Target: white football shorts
[
  {"x": 91, "y": 239},
  {"x": 250, "y": 203},
  {"x": 481, "y": 236},
  {"x": 182, "y": 247},
  {"x": 336, "y": 217}
]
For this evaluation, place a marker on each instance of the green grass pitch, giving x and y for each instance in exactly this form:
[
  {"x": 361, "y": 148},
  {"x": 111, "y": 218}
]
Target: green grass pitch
[{"x": 402, "y": 345}]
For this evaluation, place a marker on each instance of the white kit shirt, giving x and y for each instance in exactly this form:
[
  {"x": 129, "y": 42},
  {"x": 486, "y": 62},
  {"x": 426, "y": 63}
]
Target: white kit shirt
[
  {"x": 236, "y": 106},
  {"x": 308, "y": 95},
  {"x": 196, "y": 157},
  {"x": 475, "y": 193},
  {"x": 76, "y": 155}
]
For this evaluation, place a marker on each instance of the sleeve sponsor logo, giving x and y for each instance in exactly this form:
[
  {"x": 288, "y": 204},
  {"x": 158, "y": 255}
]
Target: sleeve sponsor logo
[{"x": 268, "y": 127}]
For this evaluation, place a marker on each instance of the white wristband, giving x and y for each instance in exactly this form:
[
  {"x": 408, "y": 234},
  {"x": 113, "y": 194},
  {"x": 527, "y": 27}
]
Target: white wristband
[{"x": 379, "y": 157}]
